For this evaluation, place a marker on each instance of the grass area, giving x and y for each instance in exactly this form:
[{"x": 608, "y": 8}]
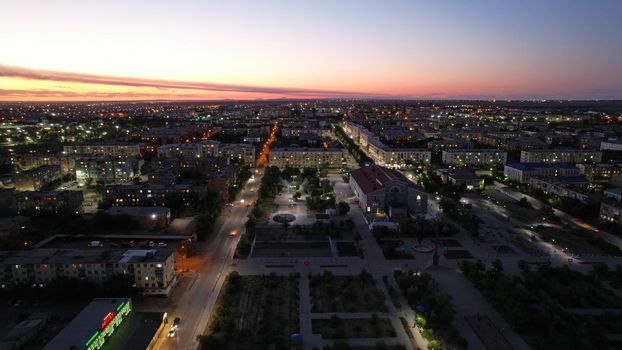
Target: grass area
[
  {"x": 391, "y": 250},
  {"x": 254, "y": 312},
  {"x": 526, "y": 215},
  {"x": 336, "y": 328},
  {"x": 575, "y": 240},
  {"x": 534, "y": 305},
  {"x": 331, "y": 293},
  {"x": 571, "y": 289},
  {"x": 343, "y": 345}
]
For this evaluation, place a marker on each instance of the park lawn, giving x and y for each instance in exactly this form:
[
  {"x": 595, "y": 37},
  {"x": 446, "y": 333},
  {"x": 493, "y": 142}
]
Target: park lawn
[
  {"x": 571, "y": 289},
  {"x": 336, "y": 328},
  {"x": 331, "y": 293},
  {"x": 254, "y": 312},
  {"x": 575, "y": 240}
]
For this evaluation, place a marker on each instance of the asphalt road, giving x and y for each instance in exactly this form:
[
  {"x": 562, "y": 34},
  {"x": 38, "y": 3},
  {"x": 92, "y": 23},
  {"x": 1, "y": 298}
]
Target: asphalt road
[{"x": 198, "y": 300}]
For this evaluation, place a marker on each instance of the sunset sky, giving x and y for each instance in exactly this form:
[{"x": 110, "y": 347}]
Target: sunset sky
[{"x": 137, "y": 50}]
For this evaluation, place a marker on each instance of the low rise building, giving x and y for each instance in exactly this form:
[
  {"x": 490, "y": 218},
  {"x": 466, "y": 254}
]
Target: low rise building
[
  {"x": 574, "y": 187},
  {"x": 103, "y": 149},
  {"x": 152, "y": 270},
  {"x": 380, "y": 189},
  {"x": 611, "y": 145},
  {"x": 242, "y": 152},
  {"x": 49, "y": 202},
  {"x": 93, "y": 326},
  {"x": 106, "y": 169},
  {"x": 565, "y": 155},
  {"x": 611, "y": 211},
  {"x": 522, "y": 172},
  {"x": 461, "y": 177},
  {"x": 304, "y": 157},
  {"x": 201, "y": 149},
  {"x": 474, "y": 157},
  {"x": 600, "y": 171},
  {"x": 152, "y": 195},
  {"x": 144, "y": 217},
  {"x": 34, "y": 179}
]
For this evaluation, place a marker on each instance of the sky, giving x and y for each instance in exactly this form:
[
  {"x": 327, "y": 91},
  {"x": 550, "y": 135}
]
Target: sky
[{"x": 192, "y": 50}]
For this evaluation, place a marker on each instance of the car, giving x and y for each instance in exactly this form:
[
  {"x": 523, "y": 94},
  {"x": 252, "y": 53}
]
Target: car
[
  {"x": 132, "y": 243},
  {"x": 176, "y": 321},
  {"x": 172, "y": 332},
  {"x": 233, "y": 233},
  {"x": 162, "y": 244},
  {"x": 151, "y": 244}
]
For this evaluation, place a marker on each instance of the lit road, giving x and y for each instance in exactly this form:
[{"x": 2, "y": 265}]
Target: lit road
[{"x": 197, "y": 301}]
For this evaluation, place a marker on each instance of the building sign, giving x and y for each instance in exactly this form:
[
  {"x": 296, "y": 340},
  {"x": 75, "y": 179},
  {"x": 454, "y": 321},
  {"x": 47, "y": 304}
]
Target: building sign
[{"x": 109, "y": 324}]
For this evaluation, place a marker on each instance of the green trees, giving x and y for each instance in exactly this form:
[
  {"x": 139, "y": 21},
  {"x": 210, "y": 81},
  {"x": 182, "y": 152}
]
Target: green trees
[
  {"x": 437, "y": 310},
  {"x": 354, "y": 150},
  {"x": 533, "y": 304},
  {"x": 343, "y": 208}
]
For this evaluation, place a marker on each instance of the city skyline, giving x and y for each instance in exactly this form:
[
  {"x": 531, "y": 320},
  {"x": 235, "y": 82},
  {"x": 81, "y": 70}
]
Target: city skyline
[{"x": 397, "y": 50}]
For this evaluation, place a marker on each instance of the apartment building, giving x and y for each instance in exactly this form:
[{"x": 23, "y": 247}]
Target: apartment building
[
  {"x": 103, "y": 149},
  {"x": 153, "y": 270},
  {"x": 49, "y": 202},
  {"x": 304, "y": 157},
  {"x": 570, "y": 155},
  {"x": 201, "y": 149},
  {"x": 522, "y": 172},
  {"x": 152, "y": 195},
  {"x": 474, "y": 157},
  {"x": 242, "y": 152},
  {"x": 106, "y": 169},
  {"x": 34, "y": 179}
]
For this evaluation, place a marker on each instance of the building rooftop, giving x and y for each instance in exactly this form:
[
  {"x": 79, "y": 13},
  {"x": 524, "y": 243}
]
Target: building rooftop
[
  {"x": 137, "y": 211},
  {"x": 533, "y": 166},
  {"x": 89, "y": 321},
  {"x": 43, "y": 256},
  {"x": 373, "y": 177},
  {"x": 304, "y": 149}
]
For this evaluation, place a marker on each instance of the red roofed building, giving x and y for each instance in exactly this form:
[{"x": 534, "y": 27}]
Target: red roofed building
[{"x": 381, "y": 189}]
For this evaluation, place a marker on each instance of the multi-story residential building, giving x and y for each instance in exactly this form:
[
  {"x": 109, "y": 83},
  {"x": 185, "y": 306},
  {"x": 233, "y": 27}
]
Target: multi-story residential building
[
  {"x": 201, "y": 149},
  {"x": 611, "y": 211},
  {"x": 569, "y": 155},
  {"x": 304, "y": 157},
  {"x": 153, "y": 270},
  {"x": 106, "y": 169},
  {"x": 49, "y": 202},
  {"x": 382, "y": 154},
  {"x": 34, "y": 179},
  {"x": 103, "y": 149},
  {"x": 27, "y": 161},
  {"x": 441, "y": 145},
  {"x": 144, "y": 217},
  {"x": 600, "y": 171},
  {"x": 522, "y": 172},
  {"x": 242, "y": 152},
  {"x": 474, "y": 157},
  {"x": 380, "y": 189},
  {"x": 461, "y": 177},
  {"x": 574, "y": 187},
  {"x": 611, "y": 145},
  {"x": 152, "y": 195}
]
